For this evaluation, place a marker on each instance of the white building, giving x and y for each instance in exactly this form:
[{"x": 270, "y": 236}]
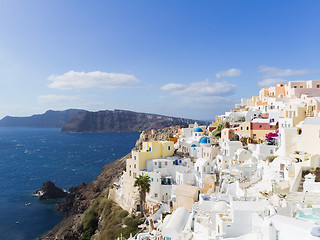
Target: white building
[{"x": 202, "y": 168}]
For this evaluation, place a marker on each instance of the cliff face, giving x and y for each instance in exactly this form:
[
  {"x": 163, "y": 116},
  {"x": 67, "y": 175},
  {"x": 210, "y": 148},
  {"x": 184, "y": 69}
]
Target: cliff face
[
  {"x": 162, "y": 134},
  {"x": 121, "y": 121},
  {"x": 50, "y": 119},
  {"x": 81, "y": 197}
]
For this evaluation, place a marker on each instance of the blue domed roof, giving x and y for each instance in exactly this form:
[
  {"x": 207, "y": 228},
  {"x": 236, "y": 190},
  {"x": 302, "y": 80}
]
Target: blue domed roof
[
  {"x": 204, "y": 140},
  {"x": 198, "y": 130},
  {"x": 193, "y": 145}
]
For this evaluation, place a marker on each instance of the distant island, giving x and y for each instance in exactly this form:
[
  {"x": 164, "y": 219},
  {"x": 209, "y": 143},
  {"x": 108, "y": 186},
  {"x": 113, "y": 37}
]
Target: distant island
[
  {"x": 49, "y": 119},
  {"x": 82, "y": 121}
]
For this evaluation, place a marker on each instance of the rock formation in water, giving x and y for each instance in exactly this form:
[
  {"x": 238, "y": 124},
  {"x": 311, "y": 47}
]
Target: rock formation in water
[{"x": 49, "y": 190}]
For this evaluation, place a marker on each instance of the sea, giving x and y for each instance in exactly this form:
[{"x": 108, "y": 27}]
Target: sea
[{"x": 31, "y": 156}]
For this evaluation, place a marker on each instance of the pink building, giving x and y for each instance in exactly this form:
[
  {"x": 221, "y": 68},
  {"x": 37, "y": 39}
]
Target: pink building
[{"x": 294, "y": 89}]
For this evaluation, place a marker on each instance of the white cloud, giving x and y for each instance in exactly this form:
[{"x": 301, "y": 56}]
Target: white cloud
[
  {"x": 203, "y": 88},
  {"x": 233, "y": 72},
  {"x": 271, "y": 82},
  {"x": 76, "y": 80},
  {"x": 199, "y": 97},
  {"x": 172, "y": 86},
  {"x": 271, "y": 72},
  {"x": 56, "y": 98}
]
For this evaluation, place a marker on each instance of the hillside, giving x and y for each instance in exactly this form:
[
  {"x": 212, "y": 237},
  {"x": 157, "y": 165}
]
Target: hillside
[
  {"x": 121, "y": 121},
  {"x": 50, "y": 119},
  {"x": 86, "y": 198}
]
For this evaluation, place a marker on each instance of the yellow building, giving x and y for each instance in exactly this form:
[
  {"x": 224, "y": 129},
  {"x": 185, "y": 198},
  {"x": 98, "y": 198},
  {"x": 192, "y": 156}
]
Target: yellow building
[
  {"x": 257, "y": 129},
  {"x": 253, "y": 101},
  {"x": 292, "y": 115},
  {"x": 150, "y": 150},
  {"x": 245, "y": 130}
]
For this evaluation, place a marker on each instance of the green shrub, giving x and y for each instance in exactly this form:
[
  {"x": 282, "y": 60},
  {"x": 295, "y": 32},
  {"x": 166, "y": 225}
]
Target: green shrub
[{"x": 115, "y": 221}]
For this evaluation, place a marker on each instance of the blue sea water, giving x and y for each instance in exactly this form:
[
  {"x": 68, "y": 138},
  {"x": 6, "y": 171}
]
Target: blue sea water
[{"x": 30, "y": 156}]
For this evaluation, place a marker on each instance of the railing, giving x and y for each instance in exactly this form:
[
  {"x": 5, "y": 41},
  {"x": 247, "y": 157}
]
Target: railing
[{"x": 309, "y": 113}]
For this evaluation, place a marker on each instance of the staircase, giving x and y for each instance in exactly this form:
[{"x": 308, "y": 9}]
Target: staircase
[{"x": 300, "y": 189}]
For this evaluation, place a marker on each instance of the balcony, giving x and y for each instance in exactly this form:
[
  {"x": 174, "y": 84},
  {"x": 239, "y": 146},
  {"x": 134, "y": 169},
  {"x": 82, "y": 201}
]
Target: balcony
[
  {"x": 309, "y": 113},
  {"x": 166, "y": 181}
]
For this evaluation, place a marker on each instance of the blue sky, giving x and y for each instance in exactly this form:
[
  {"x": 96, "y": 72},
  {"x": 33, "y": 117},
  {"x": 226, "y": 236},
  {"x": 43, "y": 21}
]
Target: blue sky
[{"x": 191, "y": 59}]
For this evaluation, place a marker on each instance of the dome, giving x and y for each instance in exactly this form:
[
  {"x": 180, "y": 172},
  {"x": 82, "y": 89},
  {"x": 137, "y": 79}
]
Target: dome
[
  {"x": 204, "y": 140},
  {"x": 193, "y": 145},
  {"x": 198, "y": 130}
]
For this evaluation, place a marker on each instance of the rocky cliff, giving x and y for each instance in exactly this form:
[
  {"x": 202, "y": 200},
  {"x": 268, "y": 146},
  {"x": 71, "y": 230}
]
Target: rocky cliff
[
  {"x": 50, "y": 119},
  {"x": 162, "y": 134},
  {"x": 81, "y": 197},
  {"x": 121, "y": 121},
  {"x": 79, "y": 200}
]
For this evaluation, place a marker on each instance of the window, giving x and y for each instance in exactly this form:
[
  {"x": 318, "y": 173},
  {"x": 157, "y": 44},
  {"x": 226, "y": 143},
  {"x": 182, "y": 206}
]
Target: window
[
  {"x": 295, "y": 86},
  {"x": 169, "y": 148},
  {"x": 135, "y": 165},
  {"x": 301, "y": 86},
  {"x": 155, "y": 163},
  {"x": 299, "y": 131},
  {"x": 156, "y": 195},
  {"x": 241, "y": 128},
  {"x": 166, "y": 163},
  {"x": 318, "y": 85},
  {"x": 151, "y": 179},
  {"x": 247, "y": 128},
  {"x": 254, "y": 136},
  {"x": 134, "y": 175},
  {"x": 271, "y": 151},
  {"x": 271, "y": 126},
  {"x": 260, "y": 126},
  {"x": 135, "y": 158},
  {"x": 130, "y": 173},
  {"x": 149, "y": 149}
]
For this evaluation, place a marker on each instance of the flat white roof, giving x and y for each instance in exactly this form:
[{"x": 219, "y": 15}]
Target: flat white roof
[
  {"x": 251, "y": 206},
  {"x": 260, "y": 120},
  {"x": 312, "y": 120}
]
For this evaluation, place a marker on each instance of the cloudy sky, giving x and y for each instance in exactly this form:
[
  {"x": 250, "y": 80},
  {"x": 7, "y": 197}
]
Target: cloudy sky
[{"x": 191, "y": 59}]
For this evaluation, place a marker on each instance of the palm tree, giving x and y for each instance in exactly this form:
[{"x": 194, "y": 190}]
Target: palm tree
[{"x": 143, "y": 183}]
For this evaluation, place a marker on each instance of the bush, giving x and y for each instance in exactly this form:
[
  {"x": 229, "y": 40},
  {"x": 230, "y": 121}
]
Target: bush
[{"x": 114, "y": 220}]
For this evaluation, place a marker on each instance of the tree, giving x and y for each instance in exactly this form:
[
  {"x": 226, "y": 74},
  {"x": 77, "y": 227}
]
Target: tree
[
  {"x": 143, "y": 183},
  {"x": 220, "y": 127}
]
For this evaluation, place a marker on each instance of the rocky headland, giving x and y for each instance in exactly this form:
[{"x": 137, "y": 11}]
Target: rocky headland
[
  {"x": 88, "y": 198},
  {"x": 49, "y": 119}
]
